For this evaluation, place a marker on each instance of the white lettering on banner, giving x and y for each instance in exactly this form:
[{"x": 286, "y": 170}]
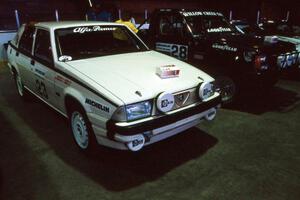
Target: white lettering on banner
[
  {"x": 92, "y": 29},
  {"x": 218, "y": 30},
  {"x": 198, "y": 13}
]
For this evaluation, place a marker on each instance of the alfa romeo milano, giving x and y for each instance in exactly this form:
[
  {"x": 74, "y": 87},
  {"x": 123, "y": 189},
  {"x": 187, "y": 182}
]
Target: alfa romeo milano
[{"x": 111, "y": 87}]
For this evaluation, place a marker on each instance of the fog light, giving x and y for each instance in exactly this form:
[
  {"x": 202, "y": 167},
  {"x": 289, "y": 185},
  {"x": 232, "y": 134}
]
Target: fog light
[{"x": 137, "y": 143}]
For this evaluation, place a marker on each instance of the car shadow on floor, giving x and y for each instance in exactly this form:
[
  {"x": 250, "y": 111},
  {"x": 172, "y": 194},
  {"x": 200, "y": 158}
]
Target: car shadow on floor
[
  {"x": 258, "y": 102},
  {"x": 114, "y": 170}
]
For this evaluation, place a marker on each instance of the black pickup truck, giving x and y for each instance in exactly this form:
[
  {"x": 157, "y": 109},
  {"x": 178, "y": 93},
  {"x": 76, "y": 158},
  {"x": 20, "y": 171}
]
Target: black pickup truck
[{"x": 240, "y": 63}]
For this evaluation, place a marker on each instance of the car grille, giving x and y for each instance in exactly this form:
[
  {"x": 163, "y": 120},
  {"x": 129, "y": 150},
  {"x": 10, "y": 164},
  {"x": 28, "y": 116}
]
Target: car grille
[{"x": 182, "y": 99}]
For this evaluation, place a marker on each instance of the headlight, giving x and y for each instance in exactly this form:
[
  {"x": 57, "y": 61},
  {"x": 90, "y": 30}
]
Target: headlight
[
  {"x": 249, "y": 55},
  {"x": 206, "y": 90},
  {"x": 138, "y": 110}
]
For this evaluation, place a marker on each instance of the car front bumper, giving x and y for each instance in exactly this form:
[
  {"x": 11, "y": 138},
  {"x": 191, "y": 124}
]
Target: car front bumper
[{"x": 133, "y": 136}]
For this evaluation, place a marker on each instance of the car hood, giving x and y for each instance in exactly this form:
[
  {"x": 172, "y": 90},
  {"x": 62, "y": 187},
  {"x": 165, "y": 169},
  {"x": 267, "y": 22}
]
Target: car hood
[{"x": 132, "y": 76}]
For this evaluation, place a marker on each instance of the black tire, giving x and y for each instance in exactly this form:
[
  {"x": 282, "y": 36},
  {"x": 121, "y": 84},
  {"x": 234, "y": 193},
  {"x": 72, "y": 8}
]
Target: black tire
[
  {"x": 22, "y": 92},
  {"x": 81, "y": 129},
  {"x": 227, "y": 88}
]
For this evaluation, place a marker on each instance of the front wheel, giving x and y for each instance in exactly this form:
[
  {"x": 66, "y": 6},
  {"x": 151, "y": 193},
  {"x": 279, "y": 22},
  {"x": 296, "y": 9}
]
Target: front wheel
[
  {"x": 227, "y": 88},
  {"x": 81, "y": 129}
]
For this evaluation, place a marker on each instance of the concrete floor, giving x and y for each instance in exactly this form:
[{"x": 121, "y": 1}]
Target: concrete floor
[{"x": 251, "y": 151}]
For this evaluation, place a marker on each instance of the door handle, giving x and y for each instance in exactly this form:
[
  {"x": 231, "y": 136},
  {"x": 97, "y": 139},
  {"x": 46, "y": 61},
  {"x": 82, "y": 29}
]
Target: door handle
[{"x": 32, "y": 62}]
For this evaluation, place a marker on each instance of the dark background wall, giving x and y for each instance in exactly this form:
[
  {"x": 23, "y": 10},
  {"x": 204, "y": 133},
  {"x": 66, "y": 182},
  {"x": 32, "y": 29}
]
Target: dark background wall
[{"x": 44, "y": 10}]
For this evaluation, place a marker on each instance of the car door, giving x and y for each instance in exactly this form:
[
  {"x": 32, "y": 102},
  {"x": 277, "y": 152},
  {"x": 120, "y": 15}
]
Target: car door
[
  {"x": 43, "y": 73},
  {"x": 24, "y": 55},
  {"x": 172, "y": 36}
]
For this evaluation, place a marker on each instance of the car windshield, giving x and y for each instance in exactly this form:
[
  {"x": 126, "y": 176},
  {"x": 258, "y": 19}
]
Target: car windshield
[
  {"x": 209, "y": 24},
  {"x": 94, "y": 41}
]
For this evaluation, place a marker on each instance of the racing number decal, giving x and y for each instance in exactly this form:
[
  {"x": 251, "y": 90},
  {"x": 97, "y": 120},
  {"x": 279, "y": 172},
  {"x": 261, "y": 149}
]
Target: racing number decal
[
  {"x": 175, "y": 50},
  {"x": 179, "y": 51},
  {"x": 41, "y": 88}
]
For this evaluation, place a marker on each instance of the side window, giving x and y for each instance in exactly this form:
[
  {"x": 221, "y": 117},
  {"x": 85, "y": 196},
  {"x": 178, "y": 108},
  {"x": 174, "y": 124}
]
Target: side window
[
  {"x": 25, "y": 43},
  {"x": 171, "y": 25},
  {"x": 42, "y": 47}
]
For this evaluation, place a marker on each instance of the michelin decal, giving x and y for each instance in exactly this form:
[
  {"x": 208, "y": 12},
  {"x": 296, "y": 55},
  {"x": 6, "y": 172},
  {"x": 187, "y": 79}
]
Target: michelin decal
[{"x": 97, "y": 105}]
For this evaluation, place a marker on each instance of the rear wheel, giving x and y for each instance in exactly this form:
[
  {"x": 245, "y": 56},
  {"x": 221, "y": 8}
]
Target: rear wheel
[
  {"x": 81, "y": 129},
  {"x": 227, "y": 88}
]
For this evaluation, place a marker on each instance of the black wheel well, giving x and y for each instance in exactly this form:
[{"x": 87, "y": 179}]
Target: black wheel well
[{"x": 71, "y": 102}]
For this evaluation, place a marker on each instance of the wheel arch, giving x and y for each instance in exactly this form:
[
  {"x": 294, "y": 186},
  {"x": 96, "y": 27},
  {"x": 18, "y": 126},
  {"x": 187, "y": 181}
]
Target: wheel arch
[{"x": 73, "y": 97}]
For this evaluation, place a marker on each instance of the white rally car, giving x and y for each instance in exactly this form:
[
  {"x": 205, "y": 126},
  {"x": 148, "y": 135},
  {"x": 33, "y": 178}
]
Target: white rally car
[{"x": 112, "y": 88}]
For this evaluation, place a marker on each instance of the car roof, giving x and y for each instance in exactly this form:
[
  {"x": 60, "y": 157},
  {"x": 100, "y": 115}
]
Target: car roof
[{"x": 66, "y": 24}]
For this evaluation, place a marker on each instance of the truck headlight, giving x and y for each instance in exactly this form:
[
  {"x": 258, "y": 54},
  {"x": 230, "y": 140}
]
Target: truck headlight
[
  {"x": 206, "y": 90},
  {"x": 138, "y": 110}
]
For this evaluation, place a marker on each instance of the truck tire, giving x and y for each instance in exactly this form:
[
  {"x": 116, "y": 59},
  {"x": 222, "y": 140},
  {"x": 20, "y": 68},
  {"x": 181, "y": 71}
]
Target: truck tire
[{"x": 227, "y": 88}]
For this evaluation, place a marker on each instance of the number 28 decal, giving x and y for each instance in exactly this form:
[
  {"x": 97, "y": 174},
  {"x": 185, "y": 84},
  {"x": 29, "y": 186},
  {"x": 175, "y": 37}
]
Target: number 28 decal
[
  {"x": 41, "y": 88},
  {"x": 175, "y": 50},
  {"x": 179, "y": 51}
]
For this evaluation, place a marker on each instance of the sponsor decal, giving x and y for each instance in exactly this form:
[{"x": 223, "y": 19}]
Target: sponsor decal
[
  {"x": 97, "y": 105},
  {"x": 287, "y": 60},
  {"x": 39, "y": 72},
  {"x": 198, "y": 13},
  {"x": 65, "y": 58},
  {"x": 206, "y": 90},
  {"x": 218, "y": 30},
  {"x": 224, "y": 47},
  {"x": 41, "y": 88},
  {"x": 175, "y": 50},
  {"x": 165, "y": 102},
  {"x": 85, "y": 29},
  {"x": 63, "y": 80},
  {"x": 137, "y": 143}
]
